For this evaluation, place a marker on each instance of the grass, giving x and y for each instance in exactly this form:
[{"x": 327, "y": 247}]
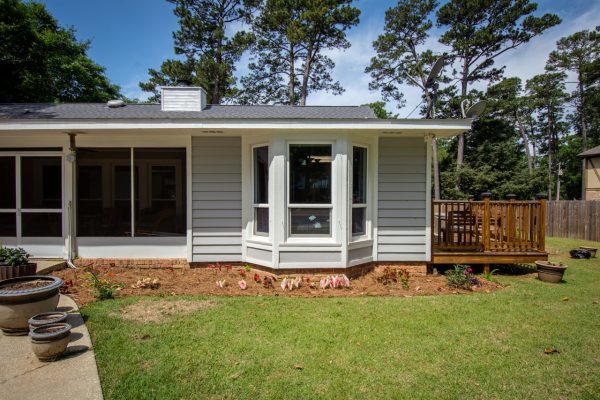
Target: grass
[{"x": 480, "y": 346}]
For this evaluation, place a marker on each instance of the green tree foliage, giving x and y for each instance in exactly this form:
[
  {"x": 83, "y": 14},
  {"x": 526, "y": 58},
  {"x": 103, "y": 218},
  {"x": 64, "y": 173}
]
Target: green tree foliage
[
  {"x": 548, "y": 97},
  {"x": 291, "y": 36},
  {"x": 478, "y": 31},
  {"x": 209, "y": 52},
  {"x": 575, "y": 53},
  {"x": 399, "y": 60},
  {"x": 378, "y": 108},
  {"x": 42, "y": 62}
]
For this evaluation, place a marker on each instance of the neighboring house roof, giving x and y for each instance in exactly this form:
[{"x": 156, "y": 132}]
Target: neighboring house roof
[
  {"x": 87, "y": 111},
  {"x": 591, "y": 152}
]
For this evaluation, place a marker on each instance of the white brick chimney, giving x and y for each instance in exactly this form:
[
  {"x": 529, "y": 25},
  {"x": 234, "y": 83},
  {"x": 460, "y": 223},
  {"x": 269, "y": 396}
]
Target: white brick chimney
[{"x": 182, "y": 97}]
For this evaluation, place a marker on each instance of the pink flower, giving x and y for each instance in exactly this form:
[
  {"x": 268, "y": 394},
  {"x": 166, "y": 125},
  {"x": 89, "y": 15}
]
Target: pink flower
[{"x": 242, "y": 284}]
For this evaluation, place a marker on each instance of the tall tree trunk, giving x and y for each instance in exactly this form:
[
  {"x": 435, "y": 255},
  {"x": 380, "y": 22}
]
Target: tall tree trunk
[
  {"x": 306, "y": 76},
  {"x": 292, "y": 81},
  {"x": 461, "y": 137},
  {"x": 583, "y": 123},
  {"x": 525, "y": 143}
]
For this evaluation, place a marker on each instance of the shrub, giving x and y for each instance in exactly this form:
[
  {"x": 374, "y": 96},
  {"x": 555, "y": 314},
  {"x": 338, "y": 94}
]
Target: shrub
[
  {"x": 461, "y": 277},
  {"x": 14, "y": 257}
]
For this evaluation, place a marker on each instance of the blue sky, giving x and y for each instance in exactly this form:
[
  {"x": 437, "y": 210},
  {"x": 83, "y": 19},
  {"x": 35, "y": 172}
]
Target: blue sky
[{"x": 129, "y": 36}]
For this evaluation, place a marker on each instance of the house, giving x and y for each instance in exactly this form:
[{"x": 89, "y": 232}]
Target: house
[
  {"x": 591, "y": 176},
  {"x": 279, "y": 186}
]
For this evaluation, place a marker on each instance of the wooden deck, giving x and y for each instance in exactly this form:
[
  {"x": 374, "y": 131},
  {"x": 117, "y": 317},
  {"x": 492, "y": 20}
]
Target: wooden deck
[{"x": 488, "y": 232}]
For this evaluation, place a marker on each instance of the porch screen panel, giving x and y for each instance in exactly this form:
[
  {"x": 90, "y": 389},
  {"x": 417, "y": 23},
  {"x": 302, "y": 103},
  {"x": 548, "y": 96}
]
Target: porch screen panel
[
  {"x": 8, "y": 212},
  {"x": 41, "y": 196},
  {"x": 160, "y": 202},
  {"x": 104, "y": 192}
]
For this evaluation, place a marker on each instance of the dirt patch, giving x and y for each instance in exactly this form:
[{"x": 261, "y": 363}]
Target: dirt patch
[
  {"x": 203, "y": 281},
  {"x": 158, "y": 311}
]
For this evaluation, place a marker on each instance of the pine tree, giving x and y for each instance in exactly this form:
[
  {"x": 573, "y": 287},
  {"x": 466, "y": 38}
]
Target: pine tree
[
  {"x": 210, "y": 54},
  {"x": 478, "y": 31},
  {"x": 291, "y": 37}
]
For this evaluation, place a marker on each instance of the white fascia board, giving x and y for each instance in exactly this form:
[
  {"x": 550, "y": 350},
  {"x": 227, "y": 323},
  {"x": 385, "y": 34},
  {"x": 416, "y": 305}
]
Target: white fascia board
[{"x": 439, "y": 127}]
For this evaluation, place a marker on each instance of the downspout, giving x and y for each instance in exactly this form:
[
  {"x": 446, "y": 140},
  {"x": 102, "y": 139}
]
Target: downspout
[{"x": 71, "y": 157}]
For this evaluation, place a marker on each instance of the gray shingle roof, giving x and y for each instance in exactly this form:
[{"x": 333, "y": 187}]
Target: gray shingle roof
[
  {"x": 86, "y": 111},
  {"x": 591, "y": 152}
]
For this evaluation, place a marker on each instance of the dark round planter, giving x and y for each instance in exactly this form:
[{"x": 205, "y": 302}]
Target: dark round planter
[
  {"x": 47, "y": 318},
  {"x": 48, "y": 342},
  {"x": 17, "y": 305},
  {"x": 550, "y": 273},
  {"x": 8, "y": 271},
  {"x": 592, "y": 250}
]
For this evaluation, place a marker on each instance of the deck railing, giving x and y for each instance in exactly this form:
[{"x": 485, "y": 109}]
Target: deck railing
[{"x": 489, "y": 226}]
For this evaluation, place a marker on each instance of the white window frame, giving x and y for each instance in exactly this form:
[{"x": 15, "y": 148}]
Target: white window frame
[
  {"x": 366, "y": 234},
  {"x": 331, "y": 206},
  {"x": 254, "y": 204}
]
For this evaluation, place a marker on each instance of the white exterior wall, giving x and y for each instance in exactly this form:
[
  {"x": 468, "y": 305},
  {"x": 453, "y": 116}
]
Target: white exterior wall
[
  {"x": 216, "y": 199},
  {"x": 402, "y": 200}
]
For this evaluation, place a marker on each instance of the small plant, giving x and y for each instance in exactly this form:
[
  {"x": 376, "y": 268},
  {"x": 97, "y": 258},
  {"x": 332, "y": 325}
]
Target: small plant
[
  {"x": 291, "y": 283},
  {"x": 391, "y": 276},
  {"x": 243, "y": 285},
  {"x": 247, "y": 268},
  {"x": 267, "y": 282},
  {"x": 66, "y": 287},
  {"x": 257, "y": 278},
  {"x": 461, "y": 277},
  {"x": 14, "y": 257},
  {"x": 146, "y": 283},
  {"x": 103, "y": 288},
  {"x": 334, "y": 282},
  {"x": 242, "y": 272},
  {"x": 221, "y": 284},
  {"x": 489, "y": 276}
]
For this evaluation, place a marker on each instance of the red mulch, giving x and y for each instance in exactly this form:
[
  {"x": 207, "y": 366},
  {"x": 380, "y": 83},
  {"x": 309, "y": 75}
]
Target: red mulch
[{"x": 202, "y": 281}]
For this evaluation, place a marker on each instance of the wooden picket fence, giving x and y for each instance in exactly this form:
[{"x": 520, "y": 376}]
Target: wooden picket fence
[{"x": 576, "y": 219}]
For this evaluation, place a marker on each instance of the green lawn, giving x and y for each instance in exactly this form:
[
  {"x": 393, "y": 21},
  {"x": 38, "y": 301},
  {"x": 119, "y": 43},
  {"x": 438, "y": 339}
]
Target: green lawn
[{"x": 443, "y": 347}]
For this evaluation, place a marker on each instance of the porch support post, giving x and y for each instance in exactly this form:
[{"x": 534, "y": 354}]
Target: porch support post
[{"x": 486, "y": 221}]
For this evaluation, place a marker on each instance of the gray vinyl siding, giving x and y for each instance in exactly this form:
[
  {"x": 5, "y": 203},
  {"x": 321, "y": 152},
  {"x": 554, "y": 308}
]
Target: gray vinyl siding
[
  {"x": 362, "y": 253},
  {"x": 216, "y": 199},
  {"x": 401, "y": 199},
  {"x": 308, "y": 257},
  {"x": 259, "y": 254}
]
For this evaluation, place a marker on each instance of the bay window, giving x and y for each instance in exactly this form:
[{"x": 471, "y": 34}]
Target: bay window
[
  {"x": 261, "y": 190},
  {"x": 359, "y": 191},
  {"x": 310, "y": 184}
]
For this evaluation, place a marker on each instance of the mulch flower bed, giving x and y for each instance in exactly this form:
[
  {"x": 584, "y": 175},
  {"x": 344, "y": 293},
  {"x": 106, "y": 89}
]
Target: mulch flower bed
[{"x": 205, "y": 281}]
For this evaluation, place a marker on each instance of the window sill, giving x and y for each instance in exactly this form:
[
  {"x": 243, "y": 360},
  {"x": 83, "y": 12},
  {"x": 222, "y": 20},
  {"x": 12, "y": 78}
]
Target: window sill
[
  {"x": 360, "y": 243},
  {"x": 259, "y": 240}
]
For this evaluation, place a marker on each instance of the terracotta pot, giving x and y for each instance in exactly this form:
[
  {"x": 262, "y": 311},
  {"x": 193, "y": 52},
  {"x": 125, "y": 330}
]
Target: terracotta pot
[
  {"x": 592, "y": 250},
  {"x": 48, "y": 342},
  {"x": 8, "y": 271},
  {"x": 17, "y": 306},
  {"x": 550, "y": 273},
  {"x": 47, "y": 318}
]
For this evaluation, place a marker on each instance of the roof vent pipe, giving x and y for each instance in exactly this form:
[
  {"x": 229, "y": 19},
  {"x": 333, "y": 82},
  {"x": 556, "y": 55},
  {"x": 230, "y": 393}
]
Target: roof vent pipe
[{"x": 115, "y": 103}]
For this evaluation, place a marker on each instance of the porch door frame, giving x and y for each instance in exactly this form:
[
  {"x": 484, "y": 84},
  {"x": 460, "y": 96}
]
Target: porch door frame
[{"x": 50, "y": 247}]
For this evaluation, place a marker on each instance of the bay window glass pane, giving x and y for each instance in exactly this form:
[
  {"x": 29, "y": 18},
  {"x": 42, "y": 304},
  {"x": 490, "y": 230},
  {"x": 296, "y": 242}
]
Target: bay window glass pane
[
  {"x": 7, "y": 183},
  {"x": 160, "y": 192},
  {"x": 359, "y": 221},
  {"x": 103, "y": 192},
  {"x": 8, "y": 224},
  {"x": 261, "y": 175},
  {"x": 310, "y": 221},
  {"x": 261, "y": 220},
  {"x": 41, "y": 182},
  {"x": 359, "y": 175},
  {"x": 310, "y": 173},
  {"x": 42, "y": 224}
]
